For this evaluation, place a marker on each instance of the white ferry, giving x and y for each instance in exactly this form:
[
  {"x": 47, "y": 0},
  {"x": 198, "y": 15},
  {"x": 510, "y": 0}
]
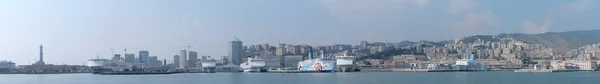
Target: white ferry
[
  {"x": 468, "y": 64},
  {"x": 345, "y": 63},
  {"x": 253, "y": 65},
  {"x": 104, "y": 65},
  {"x": 317, "y": 65}
]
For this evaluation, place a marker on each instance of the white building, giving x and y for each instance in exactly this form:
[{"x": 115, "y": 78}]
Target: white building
[
  {"x": 7, "y": 65},
  {"x": 586, "y": 65},
  {"x": 574, "y": 64},
  {"x": 182, "y": 59}
]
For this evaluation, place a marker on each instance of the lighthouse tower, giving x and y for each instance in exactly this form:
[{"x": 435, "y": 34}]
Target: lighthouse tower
[{"x": 41, "y": 61}]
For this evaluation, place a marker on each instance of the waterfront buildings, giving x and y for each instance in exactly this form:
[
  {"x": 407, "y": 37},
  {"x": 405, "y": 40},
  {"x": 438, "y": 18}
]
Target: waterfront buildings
[
  {"x": 291, "y": 60},
  {"x": 235, "y": 51},
  {"x": 153, "y": 62},
  {"x": 143, "y": 56},
  {"x": 280, "y": 51},
  {"x": 130, "y": 58},
  {"x": 6, "y": 66},
  {"x": 117, "y": 57},
  {"x": 193, "y": 57},
  {"x": 182, "y": 59},
  {"x": 176, "y": 60}
]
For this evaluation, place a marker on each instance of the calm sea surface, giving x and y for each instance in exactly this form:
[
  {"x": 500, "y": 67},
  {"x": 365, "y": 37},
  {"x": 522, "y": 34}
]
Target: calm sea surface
[{"x": 312, "y": 78}]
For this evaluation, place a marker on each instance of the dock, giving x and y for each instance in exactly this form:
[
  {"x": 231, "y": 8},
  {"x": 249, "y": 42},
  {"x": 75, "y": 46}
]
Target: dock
[
  {"x": 135, "y": 73},
  {"x": 548, "y": 70},
  {"x": 293, "y": 71}
]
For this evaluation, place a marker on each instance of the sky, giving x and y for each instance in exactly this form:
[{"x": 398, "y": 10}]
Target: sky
[{"x": 73, "y": 31}]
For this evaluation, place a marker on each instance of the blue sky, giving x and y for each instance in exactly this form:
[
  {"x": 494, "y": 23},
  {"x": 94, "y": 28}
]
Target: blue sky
[{"x": 73, "y": 31}]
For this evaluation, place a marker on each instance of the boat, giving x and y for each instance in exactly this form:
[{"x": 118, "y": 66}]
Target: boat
[
  {"x": 209, "y": 65},
  {"x": 345, "y": 63},
  {"x": 253, "y": 65},
  {"x": 136, "y": 73},
  {"x": 106, "y": 65},
  {"x": 468, "y": 64},
  {"x": 317, "y": 65}
]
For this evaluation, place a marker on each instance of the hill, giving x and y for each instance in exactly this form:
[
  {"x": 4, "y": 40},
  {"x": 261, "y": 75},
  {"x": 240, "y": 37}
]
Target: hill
[{"x": 561, "y": 42}]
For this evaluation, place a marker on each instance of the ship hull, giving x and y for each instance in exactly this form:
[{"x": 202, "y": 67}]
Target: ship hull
[{"x": 317, "y": 65}]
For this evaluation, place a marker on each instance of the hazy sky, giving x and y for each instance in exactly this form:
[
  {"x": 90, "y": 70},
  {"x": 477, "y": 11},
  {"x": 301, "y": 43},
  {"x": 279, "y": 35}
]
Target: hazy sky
[{"x": 73, "y": 31}]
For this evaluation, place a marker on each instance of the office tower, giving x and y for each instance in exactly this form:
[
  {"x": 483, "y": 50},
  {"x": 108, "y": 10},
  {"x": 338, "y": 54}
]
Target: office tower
[
  {"x": 235, "y": 51},
  {"x": 143, "y": 56},
  {"x": 130, "y": 58},
  {"x": 41, "y": 61},
  {"x": 176, "y": 60},
  {"x": 153, "y": 61},
  {"x": 117, "y": 57},
  {"x": 193, "y": 57},
  {"x": 164, "y": 61},
  {"x": 182, "y": 59}
]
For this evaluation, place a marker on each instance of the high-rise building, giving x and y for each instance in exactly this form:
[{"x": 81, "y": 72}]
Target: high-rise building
[
  {"x": 280, "y": 51},
  {"x": 154, "y": 62},
  {"x": 130, "y": 58},
  {"x": 176, "y": 60},
  {"x": 265, "y": 46},
  {"x": 235, "y": 51},
  {"x": 143, "y": 56},
  {"x": 41, "y": 61},
  {"x": 182, "y": 59},
  {"x": 164, "y": 61},
  {"x": 193, "y": 56},
  {"x": 364, "y": 44},
  {"x": 117, "y": 57}
]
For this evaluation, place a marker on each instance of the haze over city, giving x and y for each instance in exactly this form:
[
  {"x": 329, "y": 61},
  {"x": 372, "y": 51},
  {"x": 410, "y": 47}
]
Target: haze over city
[{"x": 73, "y": 31}]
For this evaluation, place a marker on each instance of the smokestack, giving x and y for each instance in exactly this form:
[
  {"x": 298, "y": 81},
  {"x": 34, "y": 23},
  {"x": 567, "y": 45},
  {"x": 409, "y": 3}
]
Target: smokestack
[
  {"x": 472, "y": 56},
  {"x": 322, "y": 54},
  {"x": 310, "y": 53}
]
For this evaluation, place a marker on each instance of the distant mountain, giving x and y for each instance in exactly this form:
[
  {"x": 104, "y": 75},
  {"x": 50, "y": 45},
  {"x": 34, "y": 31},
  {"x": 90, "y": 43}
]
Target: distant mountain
[{"x": 561, "y": 42}]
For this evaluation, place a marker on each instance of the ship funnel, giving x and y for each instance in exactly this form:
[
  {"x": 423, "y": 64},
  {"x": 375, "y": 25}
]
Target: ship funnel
[
  {"x": 472, "y": 56},
  {"x": 310, "y": 53},
  {"x": 322, "y": 54}
]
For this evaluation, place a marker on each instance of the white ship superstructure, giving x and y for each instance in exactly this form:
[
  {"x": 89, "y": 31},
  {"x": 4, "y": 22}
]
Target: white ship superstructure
[
  {"x": 468, "y": 64},
  {"x": 345, "y": 63},
  {"x": 253, "y": 65},
  {"x": 209, "y": 63},
  {"x": 101, "y": 65}
]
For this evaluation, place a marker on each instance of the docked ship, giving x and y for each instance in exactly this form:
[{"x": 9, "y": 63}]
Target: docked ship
[
  {"x": 345, "y": 63},
  {"x": 253, "y": 65},
  {"x": 106, "y": 65},
  {"x": 317, "y": 65},
  {"x": 209, "y": 65},
  {"x": 468, "y": 64}
]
